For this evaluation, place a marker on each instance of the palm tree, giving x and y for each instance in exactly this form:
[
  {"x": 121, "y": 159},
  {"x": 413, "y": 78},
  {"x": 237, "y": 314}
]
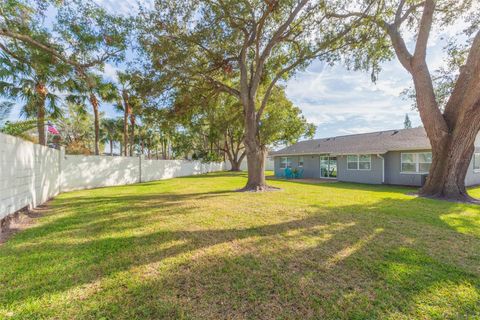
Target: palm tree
[
  {"x": 119, "y": 133},
  {"x": 110, "y": 132},
  {"x": 91, "y": 87},
  {"x": 131, "y": 105},
  {"x": 31, "y": 77}
]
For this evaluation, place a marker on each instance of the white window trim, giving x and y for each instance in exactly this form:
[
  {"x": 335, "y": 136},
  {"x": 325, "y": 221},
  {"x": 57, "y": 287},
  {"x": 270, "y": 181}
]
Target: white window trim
[
  {"x": 416, "y": 162},
  {"x": 358, "y": 162}
]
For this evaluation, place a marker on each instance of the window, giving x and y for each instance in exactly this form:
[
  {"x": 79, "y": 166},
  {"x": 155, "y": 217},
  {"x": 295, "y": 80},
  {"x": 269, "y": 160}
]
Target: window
[
  {"x": 409, "y": 162},
  {"x": 416, "y": 162},
  {"x": 364, "y": 162},
  {"x": 285, "y": 162},
  {"x": 424, "y": 161},
  {"x": 476, "y": 162},
  {"x": 300, "y": 162},
  {"x": 352, "y": 162},
  {"x": 359, "y": 162}
]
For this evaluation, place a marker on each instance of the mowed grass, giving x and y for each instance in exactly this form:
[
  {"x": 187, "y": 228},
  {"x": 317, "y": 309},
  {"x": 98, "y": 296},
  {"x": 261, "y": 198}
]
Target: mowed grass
[{"x": 191, "y": 248}]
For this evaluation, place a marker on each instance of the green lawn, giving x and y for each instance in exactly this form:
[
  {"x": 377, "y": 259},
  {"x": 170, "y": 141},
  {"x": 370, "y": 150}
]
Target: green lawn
[{"x": 191, "y": 248}]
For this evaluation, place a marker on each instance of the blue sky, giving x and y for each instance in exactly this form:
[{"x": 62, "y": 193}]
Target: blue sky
[{"x": 336, "y": 100}]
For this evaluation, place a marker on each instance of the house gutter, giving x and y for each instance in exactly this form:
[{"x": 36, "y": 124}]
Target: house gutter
[{"x": 383, "y": 167}]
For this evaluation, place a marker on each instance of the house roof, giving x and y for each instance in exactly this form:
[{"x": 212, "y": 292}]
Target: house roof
[{"x": 366, "y": 143}]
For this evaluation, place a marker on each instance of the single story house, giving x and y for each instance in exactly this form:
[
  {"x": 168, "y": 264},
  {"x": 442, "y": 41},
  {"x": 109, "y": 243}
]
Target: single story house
[{"x": 398, "y": 157}]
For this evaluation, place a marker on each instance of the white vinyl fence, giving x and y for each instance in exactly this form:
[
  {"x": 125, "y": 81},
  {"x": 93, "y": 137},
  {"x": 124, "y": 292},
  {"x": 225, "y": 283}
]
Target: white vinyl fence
[
  {"x": 31, "y": 174},
  {"x": 269, "y": 165}
]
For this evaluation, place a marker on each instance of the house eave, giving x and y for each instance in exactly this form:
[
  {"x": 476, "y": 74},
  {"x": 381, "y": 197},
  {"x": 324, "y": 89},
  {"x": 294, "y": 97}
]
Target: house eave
[{"x": 348, "y": 153}]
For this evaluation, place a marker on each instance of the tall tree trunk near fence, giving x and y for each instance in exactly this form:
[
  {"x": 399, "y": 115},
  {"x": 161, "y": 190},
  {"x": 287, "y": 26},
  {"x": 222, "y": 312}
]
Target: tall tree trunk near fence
[
  {"x": 111, "y": 147},
  {"x": 132, "y": 133},
  {"x": 41, "y": 91},
  {"x": 96, "y": 119},
  {"x": 126, "y": 113}
]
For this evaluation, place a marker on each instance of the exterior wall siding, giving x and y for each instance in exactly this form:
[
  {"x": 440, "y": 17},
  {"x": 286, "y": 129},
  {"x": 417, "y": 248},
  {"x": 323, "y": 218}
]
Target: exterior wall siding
[
  {"x": 372, "y": 176},
  {"x": 473, "y": 177},
  {"x": 311, "y": 166},
  {"x": 393, "y": 174}
]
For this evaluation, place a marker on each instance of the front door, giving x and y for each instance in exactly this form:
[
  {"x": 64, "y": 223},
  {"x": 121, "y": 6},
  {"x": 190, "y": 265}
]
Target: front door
[{"x": 328, "y": 167}]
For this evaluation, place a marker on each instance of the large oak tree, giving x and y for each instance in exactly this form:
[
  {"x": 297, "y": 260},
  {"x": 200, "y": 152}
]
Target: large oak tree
[
  {"x": 451, "y": 121},
  {"x": 238, "y": 46},
  {"x": 216, "y": 120}
]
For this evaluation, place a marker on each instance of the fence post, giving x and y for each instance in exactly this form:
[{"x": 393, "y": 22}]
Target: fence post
[
  {"x": 61, "y": 159},
  {"x": 140, "y": 168}
]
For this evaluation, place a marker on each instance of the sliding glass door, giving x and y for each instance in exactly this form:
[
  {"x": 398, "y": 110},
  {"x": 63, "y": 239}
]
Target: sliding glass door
[{"x": 328, "y": 167}]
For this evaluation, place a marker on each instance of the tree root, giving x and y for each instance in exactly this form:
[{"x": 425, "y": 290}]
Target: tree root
[{"x": 258, "y": 188}]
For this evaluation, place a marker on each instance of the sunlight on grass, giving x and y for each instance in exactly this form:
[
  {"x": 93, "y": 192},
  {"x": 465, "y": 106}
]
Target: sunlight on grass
[{"x": 193, "y": 248}]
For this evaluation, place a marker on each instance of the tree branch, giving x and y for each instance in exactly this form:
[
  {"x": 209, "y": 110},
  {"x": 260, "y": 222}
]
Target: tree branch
[
  {"x": 424, "y": 31},
  {"x": 467, "y": 87},
  {"x": 271, "y": 43},
  {"x": 49, "y": 49},
  {"x": 222, "y": 86}
]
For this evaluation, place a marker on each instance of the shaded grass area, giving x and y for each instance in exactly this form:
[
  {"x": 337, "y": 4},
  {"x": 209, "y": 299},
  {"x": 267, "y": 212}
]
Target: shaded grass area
[{"x": 190, "y": 248}]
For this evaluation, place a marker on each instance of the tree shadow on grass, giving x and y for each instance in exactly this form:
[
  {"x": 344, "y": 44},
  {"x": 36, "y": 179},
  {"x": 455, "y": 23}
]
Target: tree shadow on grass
[
  {"x": 352, "y": 261},
  {"x": 351, "y": 186}
]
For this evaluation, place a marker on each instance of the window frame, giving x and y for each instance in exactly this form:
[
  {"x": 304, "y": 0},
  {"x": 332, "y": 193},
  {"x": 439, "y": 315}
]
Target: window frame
[
  {"x": 416, "y": 162},
  {"x": 288, "y": 160},
  {"x": 358, "y": 156},
  {"x": 301, "y": 161}
]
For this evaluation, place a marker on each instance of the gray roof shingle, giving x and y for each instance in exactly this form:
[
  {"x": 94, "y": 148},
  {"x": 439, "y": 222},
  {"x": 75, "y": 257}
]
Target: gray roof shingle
[{"x": 366, "y": 143}]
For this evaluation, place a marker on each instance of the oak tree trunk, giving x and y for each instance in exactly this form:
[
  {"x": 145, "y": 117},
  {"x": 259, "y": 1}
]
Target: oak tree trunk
[
  {"x": 96, "y": 116},
  {"x": 111, "y": 147},
  {"x": 255, "y": 151},
  {"x": 451, "y": 159},
  {"x": 451, "y": 134},
  {"x": 451, "y": 131},
  {"x": 235, "y": 161},
  {"x": 234, "y": 165}
]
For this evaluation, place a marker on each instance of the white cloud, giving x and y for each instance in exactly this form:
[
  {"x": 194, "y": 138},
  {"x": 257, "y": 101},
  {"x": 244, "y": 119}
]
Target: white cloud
[
  {"x": 339, "y": 101},
  {"x": 110, "y": 72}
]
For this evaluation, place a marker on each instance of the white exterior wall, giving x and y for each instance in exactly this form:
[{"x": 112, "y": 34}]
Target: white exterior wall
[{"x": 31, "y": 174}]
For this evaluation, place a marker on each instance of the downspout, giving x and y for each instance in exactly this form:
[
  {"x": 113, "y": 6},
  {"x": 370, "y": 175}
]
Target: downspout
[{"x": 383, "y": 167}]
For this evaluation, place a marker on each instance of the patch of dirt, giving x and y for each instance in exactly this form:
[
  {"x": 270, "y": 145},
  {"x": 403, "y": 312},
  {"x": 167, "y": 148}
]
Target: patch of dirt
[{"x": 18, "y": 221}]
